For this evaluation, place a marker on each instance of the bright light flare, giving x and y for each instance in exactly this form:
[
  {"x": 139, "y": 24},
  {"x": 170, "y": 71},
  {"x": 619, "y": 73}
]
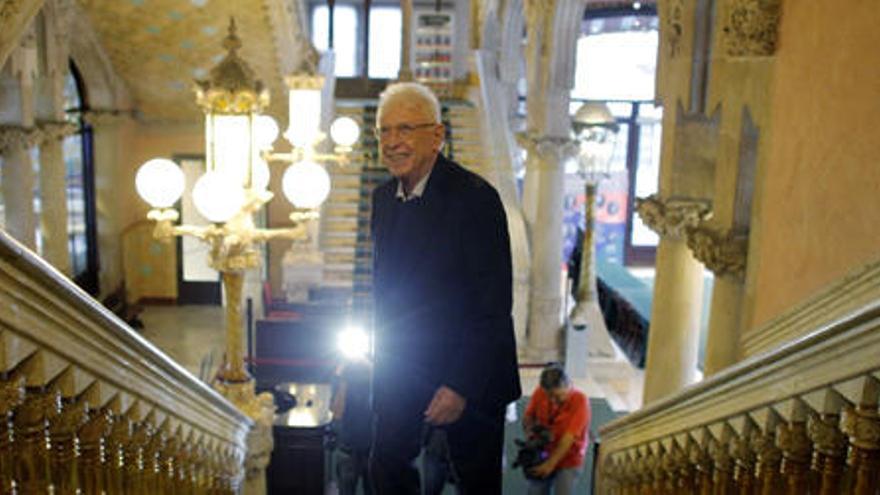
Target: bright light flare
[{"x": 353, "y": 343}]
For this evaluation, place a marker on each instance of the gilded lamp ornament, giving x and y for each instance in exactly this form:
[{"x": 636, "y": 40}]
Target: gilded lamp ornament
[
  {"x": 595, "y": 132},
  {"x": 233, "y": 188}
]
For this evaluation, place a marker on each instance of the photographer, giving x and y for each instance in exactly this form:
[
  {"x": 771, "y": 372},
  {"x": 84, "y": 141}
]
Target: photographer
[{"x": 565, "y": 411}]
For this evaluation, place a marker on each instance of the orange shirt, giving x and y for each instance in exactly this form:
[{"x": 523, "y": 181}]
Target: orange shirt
[{"x": 572, "y": 416}]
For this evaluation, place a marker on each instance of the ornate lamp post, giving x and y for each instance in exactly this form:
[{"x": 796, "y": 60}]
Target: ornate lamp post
[
  {"x": 595, "y": 130},
  {"x": 238, "y": 145}
]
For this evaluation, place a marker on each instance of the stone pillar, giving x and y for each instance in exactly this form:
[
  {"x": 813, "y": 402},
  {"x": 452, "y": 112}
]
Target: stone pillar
[
  {"x": 545, "y": 165},
  {"x": 53, "y": 185},
  {"x": 678, "y": 289},
  {"x": 725, "y": 255},
  {"x": 18, "y": 171},
  {"x": 18, "y": 184},
  {"x": 553, "y": 27}
]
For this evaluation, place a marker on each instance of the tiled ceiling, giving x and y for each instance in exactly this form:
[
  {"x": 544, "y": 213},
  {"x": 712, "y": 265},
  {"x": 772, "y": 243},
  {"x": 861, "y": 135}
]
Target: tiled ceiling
[{"x": 160, "y": 46}]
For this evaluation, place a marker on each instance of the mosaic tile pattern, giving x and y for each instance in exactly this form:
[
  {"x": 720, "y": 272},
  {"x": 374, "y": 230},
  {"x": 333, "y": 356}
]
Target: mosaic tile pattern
[{"x": 159, "y": 46}]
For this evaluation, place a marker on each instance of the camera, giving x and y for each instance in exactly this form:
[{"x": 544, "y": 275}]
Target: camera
[{"x": 533, "y": 450}]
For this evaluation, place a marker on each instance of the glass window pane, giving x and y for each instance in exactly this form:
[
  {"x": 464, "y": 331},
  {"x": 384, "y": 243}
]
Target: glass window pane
[
  {"x": 38, "y": 205},
  {"x": 345, "y": 34},
  {"x": 76, "y": 203},
  {"x": 616, "y": 60},
  {"x": 384, "y": 56},
  {"x": 648, "y": 172}
]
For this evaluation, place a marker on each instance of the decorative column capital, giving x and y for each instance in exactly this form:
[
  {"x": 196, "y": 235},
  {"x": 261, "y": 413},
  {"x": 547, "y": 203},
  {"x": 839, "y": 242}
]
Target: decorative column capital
[
  {"x": 724, "y": 253},
  {"x": 557, "y": 148},
  {"x": 54, "y": 130},
  {"x": 670, "y": 217},
  {"x": 21, "y": 138},
  {"x": 14, "y": 137},
  {"x": 106, "y": 117},
  {"x": 794, "y": 442},
  {"x": 750, "y": 28}
]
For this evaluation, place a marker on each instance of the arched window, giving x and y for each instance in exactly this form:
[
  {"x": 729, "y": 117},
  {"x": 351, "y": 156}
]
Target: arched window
[{"x": 80, "y": 185}]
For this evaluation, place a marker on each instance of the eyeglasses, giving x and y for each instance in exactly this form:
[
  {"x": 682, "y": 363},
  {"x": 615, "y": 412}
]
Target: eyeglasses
[{"x": 403, "y": 130}]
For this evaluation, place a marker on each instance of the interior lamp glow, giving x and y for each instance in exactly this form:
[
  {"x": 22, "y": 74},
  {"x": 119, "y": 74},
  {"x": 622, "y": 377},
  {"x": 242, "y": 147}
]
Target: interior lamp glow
[
  {"x": 265, "y": 131},
  {"x": 305, "y": 115},
  {"x": 345, "y": 131},
  {"x": 306, "y": 184},
  {"x": 353, "y": 343},
  {"x": 229, "y": 147},
  {"x": 160, "y": 182},
  {"x": 217, "y": 196}
]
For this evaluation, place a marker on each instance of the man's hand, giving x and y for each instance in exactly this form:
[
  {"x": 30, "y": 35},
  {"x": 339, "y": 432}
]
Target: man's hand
[
  {"x": 544, "y": 469},
  {"x": 446, "y": 407}
]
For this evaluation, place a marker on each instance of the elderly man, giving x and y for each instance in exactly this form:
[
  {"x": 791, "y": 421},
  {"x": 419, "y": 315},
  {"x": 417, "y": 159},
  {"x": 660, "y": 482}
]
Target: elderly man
[{"x": 445, "y": 354}]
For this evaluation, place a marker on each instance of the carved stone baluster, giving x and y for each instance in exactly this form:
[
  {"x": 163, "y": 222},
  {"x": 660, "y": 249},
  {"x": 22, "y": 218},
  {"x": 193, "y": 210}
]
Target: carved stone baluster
[
  {"x": 722, "y": 465},
  {"x": 119, "y": 436},
  {"x": 153, "y": 462},
  {"x": 862, "y": 425},
  {"x": 829, "y": 454},
  {"x": 647, "y": 471},
  {"x": 744, "y": 467},
  {"x": 200, "y": 468},
  {"x": 64, "y": 457},
  {"x": 769, "y": 459},
  {"x": 631, "y": 472},
  {"x": 33, "y": 445},
  {"x": 169, "y": 466},
  {"x": 796, "y": 453},
  {"x": 137, "y": 458},
  {"x": 11, "y": 396},
  {"x": 686, "y": 472},
  {"x": 93, "y": 434},
  {"x": 699, "y": 458}
]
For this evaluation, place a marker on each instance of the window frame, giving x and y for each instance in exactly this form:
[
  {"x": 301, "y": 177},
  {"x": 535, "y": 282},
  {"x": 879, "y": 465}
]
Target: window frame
[{"x": 88, "y": 278}]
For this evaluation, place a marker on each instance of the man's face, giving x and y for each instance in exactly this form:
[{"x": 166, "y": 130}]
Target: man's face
[{"x": 409, "y": 140}]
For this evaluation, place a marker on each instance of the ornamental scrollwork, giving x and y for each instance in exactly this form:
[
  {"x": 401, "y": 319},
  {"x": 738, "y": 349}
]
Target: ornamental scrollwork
[
  {"x": 722, "y": 252},
  {"x": 862, "y": 426},
  {"x": 21, "y": 138},
  {"x": 9, "y": 9},
  {"x": 670, "y": 217},
  {"x": 751, "y": 26}
]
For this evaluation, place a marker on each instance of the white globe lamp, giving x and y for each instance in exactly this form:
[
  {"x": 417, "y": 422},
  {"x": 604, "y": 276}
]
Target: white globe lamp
[
  {"x": 306, "y": 184},
  {"x": 345, "y": 131},
  {"x": 217, "y": 197},
  {"x": 159, "y": 182}
]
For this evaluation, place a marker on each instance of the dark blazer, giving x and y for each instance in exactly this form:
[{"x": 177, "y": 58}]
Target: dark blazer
[{"x": 443, "y": 293}]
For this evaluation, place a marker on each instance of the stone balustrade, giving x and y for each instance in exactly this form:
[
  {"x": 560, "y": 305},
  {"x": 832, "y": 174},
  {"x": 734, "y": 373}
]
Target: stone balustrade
[
  {"x": 801, "y": 419},
  {"x": 88, "y": 406}
]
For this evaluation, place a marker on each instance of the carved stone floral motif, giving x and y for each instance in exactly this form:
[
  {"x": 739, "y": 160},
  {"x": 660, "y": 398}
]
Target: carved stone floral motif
[
  {"x": 827, "y": 437},
  {"x": 18, "y": 137},
  {"x": 862, "y": 425},
  {"x": 723, "y": 253},
  {"x": 674, "y": 27},
  {"x": 669, "y": 217},
  {"x": 8, "y": 9},
  {"x": 750, "y": 28}
]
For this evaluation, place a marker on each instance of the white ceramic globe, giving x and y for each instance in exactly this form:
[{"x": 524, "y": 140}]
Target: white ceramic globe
[
  {"x": 159, "y": 182},
  {"x": 217, "y": 196},
  {"x": 345, "y": 131},
  {"x": 306, "y": 184},
  {"x": 265, "y": 131}
]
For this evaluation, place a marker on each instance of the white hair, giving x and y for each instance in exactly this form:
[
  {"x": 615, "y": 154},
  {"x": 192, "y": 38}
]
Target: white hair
[{"x": 414, "y": 93}]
